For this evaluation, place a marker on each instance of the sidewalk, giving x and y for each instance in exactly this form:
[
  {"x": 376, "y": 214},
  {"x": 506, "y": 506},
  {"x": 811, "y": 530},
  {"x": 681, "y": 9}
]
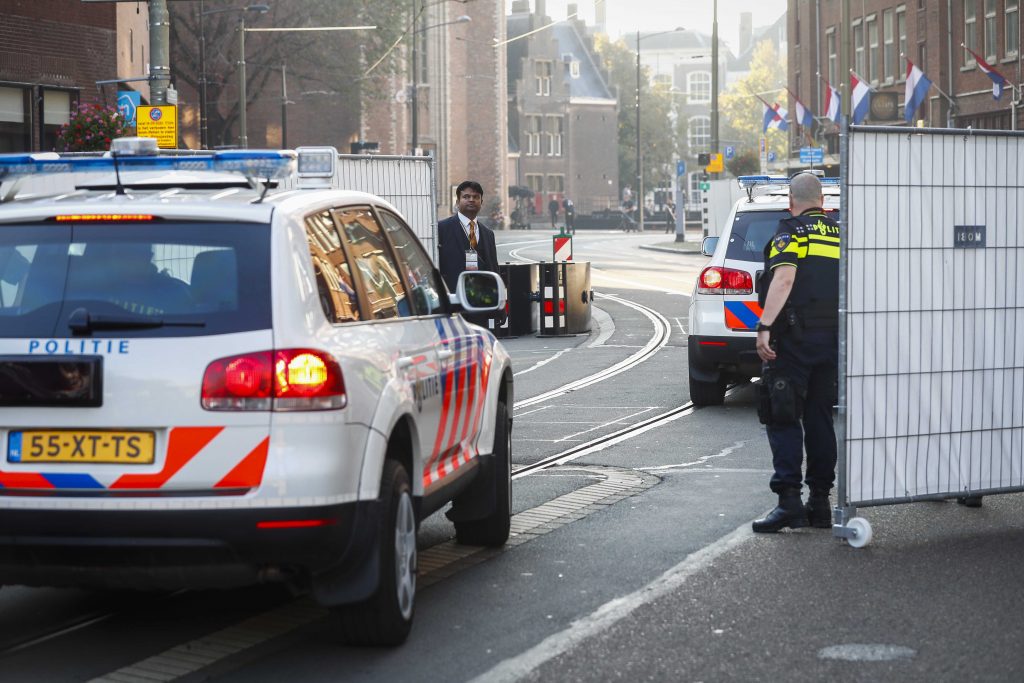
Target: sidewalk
[{"x": 694, "y": 237}]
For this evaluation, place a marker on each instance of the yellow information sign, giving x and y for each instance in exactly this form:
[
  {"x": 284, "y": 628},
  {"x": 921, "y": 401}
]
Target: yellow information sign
[
  {"x": 160, "y": 123},
  {"x": 716, "y": 165}
]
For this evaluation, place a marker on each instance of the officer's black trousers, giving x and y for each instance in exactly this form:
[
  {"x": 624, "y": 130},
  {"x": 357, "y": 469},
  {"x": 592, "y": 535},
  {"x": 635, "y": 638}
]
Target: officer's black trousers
[{"x": 811, "y": 364}]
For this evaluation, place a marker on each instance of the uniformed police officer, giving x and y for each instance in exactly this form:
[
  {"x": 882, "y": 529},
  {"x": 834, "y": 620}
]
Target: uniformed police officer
[{"x": 798, "y": 342}]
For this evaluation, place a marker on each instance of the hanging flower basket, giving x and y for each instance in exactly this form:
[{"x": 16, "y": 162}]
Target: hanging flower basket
[{"x": 91, "y": 129}]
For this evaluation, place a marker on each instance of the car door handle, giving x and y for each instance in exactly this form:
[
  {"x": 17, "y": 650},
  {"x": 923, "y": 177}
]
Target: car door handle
[{"x": 445, "y": 354}]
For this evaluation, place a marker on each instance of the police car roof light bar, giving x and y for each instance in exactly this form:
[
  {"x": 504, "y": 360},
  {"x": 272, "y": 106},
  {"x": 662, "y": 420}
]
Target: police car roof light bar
[{"x": 746, "y": 181}]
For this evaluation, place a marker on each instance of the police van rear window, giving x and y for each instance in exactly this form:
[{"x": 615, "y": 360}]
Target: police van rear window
[
  {"x": 751, "y": 231},
  {"x": 161, "y": 279}
]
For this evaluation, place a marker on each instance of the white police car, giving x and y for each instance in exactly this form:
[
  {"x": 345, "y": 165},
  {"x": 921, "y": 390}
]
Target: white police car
[
  {"x": 207, "y": 383},
  {"x": 723, "y": 307}
]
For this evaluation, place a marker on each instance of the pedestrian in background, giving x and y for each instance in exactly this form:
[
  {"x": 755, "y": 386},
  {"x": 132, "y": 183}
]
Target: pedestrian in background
[
  {"x": 670, "y": 215},
  {"x": 798, "y": 341},
  {"x": 553, "y": 210},
  {"x": 570, "y": 215},
  {"x": 463, "y": 242}
]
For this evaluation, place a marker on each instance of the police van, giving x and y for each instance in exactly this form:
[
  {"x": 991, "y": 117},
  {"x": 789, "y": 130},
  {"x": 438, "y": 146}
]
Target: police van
[
  {"x": 724, "y": 308},
  {"x": 212, "y": 375}
]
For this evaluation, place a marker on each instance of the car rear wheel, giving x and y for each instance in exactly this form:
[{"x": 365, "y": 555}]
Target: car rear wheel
[
  {"x": 707, "y": 393},
  {"x": 386, "y": 618},
  {"x": 493, "y": 529}
]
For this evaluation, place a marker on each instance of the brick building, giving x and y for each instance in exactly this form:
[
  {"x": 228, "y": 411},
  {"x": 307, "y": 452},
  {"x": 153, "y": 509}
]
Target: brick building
[
  {"x": 52, "y": 52},
  {"x": 559, "y": 105},
  {"x": 930, "y": 33}
]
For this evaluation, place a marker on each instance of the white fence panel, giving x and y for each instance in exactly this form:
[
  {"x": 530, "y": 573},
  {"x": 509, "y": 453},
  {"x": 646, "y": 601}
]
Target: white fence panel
[{"x": 934, "y": 362}]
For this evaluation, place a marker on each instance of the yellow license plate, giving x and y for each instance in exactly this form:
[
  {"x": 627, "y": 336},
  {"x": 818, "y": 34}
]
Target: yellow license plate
[{"x": 81, "y": 447}]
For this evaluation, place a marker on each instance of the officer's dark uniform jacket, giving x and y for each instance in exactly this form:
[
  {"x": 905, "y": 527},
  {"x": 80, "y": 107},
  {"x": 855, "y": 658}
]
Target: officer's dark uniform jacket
[{"x": 810, "y": 242}]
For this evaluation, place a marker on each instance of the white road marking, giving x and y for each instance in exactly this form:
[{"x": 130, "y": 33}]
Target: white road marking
[
  {"x": 540, "y": 364},
  {"x": 699, "y": 461},
  {"x": 613, "y": 611},
  {"x": 600, "y": 425},
  {"x": 597, "y": 273},
  {"x": 679, "y": 322},
  {"x": 604, "y": 323}
]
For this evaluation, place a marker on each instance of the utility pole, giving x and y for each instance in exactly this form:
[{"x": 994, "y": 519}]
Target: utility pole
[
  {"x": 159, "y": 51},
  {"x": 844, "y": 60},
  {"x": 243, "y": 137},
  {"x": 639, "y": 167},
  {"x": 714, "y": 81}
]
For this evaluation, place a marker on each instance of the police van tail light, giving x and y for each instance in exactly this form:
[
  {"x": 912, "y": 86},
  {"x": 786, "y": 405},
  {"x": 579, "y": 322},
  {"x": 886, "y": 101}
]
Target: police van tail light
[
  {"x": 280, "y": 380},
  {"x": 718, "y": 280}
]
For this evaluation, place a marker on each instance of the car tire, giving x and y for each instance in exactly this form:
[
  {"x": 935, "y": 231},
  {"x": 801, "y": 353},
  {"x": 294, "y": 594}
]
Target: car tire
[
  {"x": 386, "y": 617},
  {"x": 707, "y": 393},
  {"x": 493, "y": 530}
]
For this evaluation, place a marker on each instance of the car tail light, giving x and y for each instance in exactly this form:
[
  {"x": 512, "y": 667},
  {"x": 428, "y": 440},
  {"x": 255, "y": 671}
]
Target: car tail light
[
  {"x": 281, "y": 380},
  {"x": 718, "y": 280}
]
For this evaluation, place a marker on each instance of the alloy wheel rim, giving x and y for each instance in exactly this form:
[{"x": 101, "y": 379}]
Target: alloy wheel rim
[{"x": 405, "y": 556}]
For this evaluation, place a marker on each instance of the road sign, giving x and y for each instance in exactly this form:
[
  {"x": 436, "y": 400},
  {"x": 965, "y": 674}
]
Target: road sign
[
  {"x": 716, "y": 165},
  {"x": 680, "y": 168},
  {"x": 128, "y": 102},
  {"x": 771, "y": 156},
  {"x": 730, "y": 152},
  {"x": 160, "y": 123},
  {"x": 705, "y": 186},
  {"x": 563, "y": 248},
  {"x": 812, "y": 155}
]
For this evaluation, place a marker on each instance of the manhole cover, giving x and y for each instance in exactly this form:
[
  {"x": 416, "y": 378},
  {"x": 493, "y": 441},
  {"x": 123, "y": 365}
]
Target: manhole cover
[{"x": 854, "y": 652}]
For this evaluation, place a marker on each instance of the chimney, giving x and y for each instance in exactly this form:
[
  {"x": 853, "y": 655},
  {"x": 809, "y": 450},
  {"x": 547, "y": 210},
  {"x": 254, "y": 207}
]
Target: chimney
[
  {"x": 600, "y": 17},
  {"x": 746, "y": 31}
]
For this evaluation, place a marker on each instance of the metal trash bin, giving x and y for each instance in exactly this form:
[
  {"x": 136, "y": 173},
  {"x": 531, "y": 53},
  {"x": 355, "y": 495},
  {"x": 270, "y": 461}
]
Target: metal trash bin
[{"x": 521, "y": 310}]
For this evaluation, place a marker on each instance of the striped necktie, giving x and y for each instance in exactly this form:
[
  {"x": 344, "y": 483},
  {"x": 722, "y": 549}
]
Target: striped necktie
[{"x": 472, "y": 234}]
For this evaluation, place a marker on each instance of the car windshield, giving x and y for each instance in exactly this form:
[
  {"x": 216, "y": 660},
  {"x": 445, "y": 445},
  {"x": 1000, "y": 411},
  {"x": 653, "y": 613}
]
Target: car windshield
[
  {"x": 751, "y": 230},
  {"x": 167, "y": 279}
]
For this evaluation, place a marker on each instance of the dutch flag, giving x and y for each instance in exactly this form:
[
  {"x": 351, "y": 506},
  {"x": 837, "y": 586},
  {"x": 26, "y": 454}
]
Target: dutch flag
[
  {"x": 861, "y": 98},
  {"x": 774, "y": 117},
  {"x": 803, "y": 115},
  {"x": 998, "y": 80},
  {"x": 917, "y": 89},
  {"x": 831, "y": 103}
]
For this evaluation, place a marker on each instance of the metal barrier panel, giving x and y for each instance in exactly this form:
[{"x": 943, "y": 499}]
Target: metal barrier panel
[
  {"x": 933, "y": 351},
  {"x": 405, "y": 181}
]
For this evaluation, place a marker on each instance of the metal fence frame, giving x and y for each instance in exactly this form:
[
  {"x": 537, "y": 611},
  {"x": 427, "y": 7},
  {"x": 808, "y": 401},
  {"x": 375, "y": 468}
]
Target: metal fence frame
[{"x": 855, "y": 530}]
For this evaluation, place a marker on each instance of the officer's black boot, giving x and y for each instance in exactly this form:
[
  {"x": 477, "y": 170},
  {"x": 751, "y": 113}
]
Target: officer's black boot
[
  {"x": 789, "y": 513},
  {"x": 819, "y": 510}
]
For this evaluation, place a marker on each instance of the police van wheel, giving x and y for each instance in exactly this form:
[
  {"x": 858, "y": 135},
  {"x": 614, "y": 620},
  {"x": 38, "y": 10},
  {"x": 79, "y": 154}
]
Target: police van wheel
[
  {"x": 707, "y": 393},
  {"x": 386, "y": 618},
  {"x": 493, "y": 529}
]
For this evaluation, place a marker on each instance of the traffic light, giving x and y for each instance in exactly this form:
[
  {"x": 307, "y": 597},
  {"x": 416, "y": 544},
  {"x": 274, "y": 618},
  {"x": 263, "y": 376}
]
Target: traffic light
[{"x": 703, "y": 159}]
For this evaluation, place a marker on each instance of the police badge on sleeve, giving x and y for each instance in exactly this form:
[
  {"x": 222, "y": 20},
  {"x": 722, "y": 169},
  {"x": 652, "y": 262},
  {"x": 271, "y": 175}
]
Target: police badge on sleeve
[{"x": 781, "y": 242}]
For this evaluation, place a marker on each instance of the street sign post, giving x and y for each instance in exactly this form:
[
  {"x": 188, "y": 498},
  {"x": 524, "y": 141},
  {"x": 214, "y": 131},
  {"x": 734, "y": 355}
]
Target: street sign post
[
  {"x": 730, "y": 152},
  {"x": 812, "y": 155},
  {"x": 680, "y": 168}
]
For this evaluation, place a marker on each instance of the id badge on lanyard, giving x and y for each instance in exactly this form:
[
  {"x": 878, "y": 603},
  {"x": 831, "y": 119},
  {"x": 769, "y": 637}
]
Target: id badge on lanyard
[{"x": 471, "y": 260}]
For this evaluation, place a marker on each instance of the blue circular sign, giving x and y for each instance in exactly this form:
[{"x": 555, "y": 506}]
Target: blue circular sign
[
  {"x": 771, "y": 156},
  {"x": 155, "y": 114}
]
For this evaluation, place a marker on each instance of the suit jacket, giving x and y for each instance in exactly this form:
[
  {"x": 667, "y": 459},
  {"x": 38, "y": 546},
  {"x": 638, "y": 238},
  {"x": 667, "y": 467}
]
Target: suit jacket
[{"x": 452, "y": 245}]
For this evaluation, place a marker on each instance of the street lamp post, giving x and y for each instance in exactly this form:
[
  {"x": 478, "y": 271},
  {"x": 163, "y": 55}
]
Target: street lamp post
[
  {"x": 639, "y": 153},
  {"x": 416, "y": 76},
  {"x": 203, "y": 133}
]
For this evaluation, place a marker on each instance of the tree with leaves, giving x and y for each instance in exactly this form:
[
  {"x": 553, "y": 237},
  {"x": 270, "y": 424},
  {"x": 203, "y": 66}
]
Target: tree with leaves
[
  {"x": 326, "y": 63},
  {"x": 657, "y": 139},
  {"x": 742, "y": 113}
]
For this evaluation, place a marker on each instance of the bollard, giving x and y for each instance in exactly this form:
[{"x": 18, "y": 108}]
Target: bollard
[
  {"x": 578, "y": 297},
  {"x": 552, "y": 300},
  {"x": 521, "y": 312}
]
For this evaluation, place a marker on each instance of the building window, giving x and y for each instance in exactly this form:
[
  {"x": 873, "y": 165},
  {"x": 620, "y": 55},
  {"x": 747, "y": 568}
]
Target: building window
[
  {"x": 970, "y": 30},
  {"x": 990, "y": 29},
  {"x": 922, "y": 56},
  {"x": 874, "y": 73},
  {"x": 574, "y": 69},
  {"x": 556, "y": 183},
  {"x": 15, "y": 124},
  {"x": 1012, "y": 46},
  {"x": 698, "y": 87},
  {"x": 859, "y": 58},
  {"x": 698, "y": 134},
  {"x": 542, "y": 77},
  {"x": 535, "y": 181},
  {"x": 533, "y": 126},
  {"x": 889, "y": 47},
  {"x": 833, "y": 57},
  {"x": 555, "y": 135},
  {"x": 56, "y": 113},
  {"x": 901, "y": 32}
]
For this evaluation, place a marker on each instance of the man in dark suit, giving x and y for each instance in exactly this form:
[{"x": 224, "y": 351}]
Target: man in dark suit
[{"x": 463, "y": 242}]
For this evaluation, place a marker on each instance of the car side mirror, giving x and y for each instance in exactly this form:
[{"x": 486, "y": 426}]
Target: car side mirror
[
  {"x": 708, "y": 246},
  {"x": 479, "y": 291}
]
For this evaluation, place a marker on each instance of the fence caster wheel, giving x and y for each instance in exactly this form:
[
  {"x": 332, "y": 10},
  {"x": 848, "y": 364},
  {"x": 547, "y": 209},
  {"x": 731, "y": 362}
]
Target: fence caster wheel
[{"x": 861, "y": 535}]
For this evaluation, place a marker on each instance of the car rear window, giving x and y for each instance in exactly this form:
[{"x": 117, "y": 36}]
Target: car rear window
[
  {"x": 751, "y": 230},
  {"x": 161, "y": 279}
]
